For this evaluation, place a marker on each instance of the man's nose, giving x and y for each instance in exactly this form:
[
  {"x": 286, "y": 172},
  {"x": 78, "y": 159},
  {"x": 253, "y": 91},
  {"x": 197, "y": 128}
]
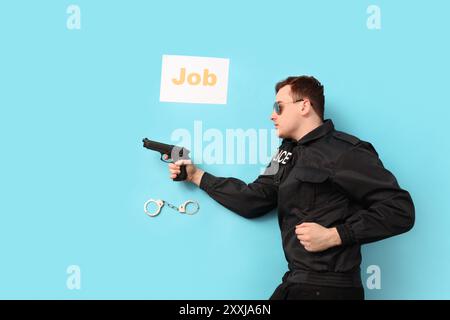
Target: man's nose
[{"x": 273, "y": 116}]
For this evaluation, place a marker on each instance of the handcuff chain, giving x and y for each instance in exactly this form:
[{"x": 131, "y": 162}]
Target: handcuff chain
[{"x": 172, "y": 206}]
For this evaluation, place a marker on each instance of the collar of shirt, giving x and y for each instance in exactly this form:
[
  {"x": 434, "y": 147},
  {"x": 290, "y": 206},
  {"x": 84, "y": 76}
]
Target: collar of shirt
[{"x": 326, "y": 127}]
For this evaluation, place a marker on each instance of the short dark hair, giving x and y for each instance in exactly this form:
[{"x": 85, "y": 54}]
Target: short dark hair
[{"x": 306, "y": 87}]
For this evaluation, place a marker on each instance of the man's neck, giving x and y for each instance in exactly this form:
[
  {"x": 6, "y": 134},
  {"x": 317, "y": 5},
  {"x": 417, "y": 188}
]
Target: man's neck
[{"x": 307, "y": 128}]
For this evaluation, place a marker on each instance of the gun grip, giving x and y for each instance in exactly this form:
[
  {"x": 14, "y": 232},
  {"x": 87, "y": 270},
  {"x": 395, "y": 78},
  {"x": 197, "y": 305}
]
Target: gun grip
[{"x": 183, "y": 174}]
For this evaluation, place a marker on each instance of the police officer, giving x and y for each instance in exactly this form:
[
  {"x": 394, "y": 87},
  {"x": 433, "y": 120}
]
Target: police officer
[{"x": 331, "y": 190}]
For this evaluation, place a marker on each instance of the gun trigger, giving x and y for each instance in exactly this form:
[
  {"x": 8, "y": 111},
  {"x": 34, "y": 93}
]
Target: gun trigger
[{"x": 164, "y": 157}]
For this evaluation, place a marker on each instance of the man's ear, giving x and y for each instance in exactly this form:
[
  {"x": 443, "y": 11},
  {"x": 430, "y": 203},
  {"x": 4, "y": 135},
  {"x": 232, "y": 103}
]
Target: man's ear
[
  {"x": 307, "y": 103},
  {"x": 305, "y": 106}
]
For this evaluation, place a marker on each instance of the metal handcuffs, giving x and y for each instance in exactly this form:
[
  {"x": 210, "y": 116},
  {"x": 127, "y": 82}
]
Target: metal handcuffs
[{"x": 182, "y": 208}]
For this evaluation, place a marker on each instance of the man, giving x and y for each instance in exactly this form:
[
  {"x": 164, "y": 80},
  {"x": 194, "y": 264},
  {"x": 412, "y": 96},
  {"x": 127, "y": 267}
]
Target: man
[{"x": 331, "y": 191}]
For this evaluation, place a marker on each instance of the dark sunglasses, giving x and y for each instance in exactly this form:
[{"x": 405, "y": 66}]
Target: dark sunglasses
[{"x": 277, "y": 107}]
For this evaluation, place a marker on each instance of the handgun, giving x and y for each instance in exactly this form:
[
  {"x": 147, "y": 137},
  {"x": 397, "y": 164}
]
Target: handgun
[{"x": 169, "y": 153}]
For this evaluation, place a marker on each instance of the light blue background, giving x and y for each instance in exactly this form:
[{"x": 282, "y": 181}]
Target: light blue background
[{"x": 74, "y": 106}]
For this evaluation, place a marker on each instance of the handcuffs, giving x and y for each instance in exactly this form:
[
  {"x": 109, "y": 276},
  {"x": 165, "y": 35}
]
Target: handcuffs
[{"x": 182, "y": 208}]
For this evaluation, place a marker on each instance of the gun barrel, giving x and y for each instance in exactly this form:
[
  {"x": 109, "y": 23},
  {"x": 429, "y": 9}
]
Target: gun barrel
[{"x": 158, "y": 146}]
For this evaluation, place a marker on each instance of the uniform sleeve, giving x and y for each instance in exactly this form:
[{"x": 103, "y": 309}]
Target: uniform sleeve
[
  {"x": 248, "y": 200},
  {"x": 387, "y": 210}
]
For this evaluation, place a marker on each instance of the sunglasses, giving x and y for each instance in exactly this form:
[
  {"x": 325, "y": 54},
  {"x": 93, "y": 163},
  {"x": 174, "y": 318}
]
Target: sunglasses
[{"x": 277, "y": 107}]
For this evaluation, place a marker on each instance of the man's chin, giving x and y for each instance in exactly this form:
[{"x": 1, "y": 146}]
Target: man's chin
[{"x": 280, "y": 134}]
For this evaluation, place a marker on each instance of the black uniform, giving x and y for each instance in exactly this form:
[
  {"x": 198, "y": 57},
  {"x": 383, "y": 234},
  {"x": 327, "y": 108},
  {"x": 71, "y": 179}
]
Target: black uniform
[{"x": 330, "y": 178}]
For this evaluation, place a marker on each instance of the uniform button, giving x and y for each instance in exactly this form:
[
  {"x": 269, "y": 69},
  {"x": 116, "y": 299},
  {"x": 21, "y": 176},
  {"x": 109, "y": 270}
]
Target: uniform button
[{"x": 317, "y": 293}]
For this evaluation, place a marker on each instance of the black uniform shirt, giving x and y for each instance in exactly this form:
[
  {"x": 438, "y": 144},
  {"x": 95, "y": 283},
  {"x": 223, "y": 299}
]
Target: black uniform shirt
[{"x": 330, "y": 178}]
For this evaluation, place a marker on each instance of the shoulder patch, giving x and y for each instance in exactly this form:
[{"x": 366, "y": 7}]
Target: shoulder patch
[{"x": 346, "y": 137}]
